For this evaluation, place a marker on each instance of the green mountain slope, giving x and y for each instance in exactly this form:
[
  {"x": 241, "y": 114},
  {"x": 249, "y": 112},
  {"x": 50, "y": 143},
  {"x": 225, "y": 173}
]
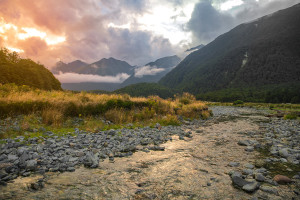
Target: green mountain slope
[
  {"x": 25, "y": 72},
  {"x": 264, "y": 52}
]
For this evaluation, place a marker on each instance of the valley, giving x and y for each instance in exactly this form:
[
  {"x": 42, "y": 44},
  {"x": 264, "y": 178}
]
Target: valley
[{"x": 197, "y": 160}]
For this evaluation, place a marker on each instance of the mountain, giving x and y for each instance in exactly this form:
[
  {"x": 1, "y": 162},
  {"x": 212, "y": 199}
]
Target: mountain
[
  {"x": 254, "y": 58},
  {"x": 14, "y": 69},
  {"x": 70, "y": 67},
  {"x": 153, "y": 71},
  {"x": 103, "y": 67},
  {"x": 195, "y": 48},
  {"x": 107, "y": 67}
]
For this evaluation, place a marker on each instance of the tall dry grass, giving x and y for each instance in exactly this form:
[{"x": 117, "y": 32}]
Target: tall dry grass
[{"x": 55, "y": 106}]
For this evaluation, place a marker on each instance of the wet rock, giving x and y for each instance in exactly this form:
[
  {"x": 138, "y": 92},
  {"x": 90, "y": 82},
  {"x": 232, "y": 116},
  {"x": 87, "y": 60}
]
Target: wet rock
[{"x": 282, "y": 179}]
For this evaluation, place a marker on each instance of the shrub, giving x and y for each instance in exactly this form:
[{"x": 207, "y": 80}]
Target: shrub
[
  {"x": 291, "y": 115},
  {"x": 185, "y": 98},
  {"x": 238, "y": 102},
  {"x": 53, "y": 117}
]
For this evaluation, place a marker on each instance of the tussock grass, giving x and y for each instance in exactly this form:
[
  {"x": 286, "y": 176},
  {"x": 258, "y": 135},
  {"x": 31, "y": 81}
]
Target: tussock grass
[{"x": 56, "y": 109}]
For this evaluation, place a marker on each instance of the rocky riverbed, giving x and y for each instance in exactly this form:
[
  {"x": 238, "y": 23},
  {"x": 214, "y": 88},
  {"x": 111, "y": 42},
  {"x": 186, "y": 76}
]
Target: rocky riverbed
[{"x": 237, "y": 154}]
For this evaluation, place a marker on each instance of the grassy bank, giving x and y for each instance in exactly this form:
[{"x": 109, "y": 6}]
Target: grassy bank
[{"x": 57, "y": 110}]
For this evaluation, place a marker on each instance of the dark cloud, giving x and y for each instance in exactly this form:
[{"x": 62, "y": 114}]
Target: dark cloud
[
  {"x": 207, "y": 23},
  {"x": 138, "y": 47}
]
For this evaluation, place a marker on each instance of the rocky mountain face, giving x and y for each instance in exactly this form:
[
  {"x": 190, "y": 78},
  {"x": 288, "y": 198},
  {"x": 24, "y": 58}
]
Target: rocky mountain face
[
  {"x": 264, "y": 52},
  {"x": 70, "y": 67}
]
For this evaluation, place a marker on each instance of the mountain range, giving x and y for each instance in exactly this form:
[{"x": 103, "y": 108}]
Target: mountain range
[
  {"x": 103, "y": 67},
  {"x": 255, "y": 61},
  {"x": 150, "y": 73}
]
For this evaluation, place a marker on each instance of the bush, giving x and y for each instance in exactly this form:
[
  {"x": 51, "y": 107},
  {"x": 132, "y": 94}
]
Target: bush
[
  {"x": 185, "y": 98},
  {"x": 238, "y": 102},
  {"x": 291, "y": 115},
  {"x": 52, "y": 117}
]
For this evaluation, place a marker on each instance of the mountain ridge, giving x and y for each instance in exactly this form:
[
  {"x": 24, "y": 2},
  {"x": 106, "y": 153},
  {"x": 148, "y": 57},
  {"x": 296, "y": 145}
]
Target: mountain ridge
[{"x": 261, "y": 52}]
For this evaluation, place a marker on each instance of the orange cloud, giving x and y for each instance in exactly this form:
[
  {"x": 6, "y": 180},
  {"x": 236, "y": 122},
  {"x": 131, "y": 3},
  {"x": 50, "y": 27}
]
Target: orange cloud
[{"x": 52, "y": 30}]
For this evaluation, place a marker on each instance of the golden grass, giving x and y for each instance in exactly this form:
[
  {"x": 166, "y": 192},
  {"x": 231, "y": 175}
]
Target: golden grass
[
  {"x": 56, "y": 109},
  {"x": 53, "y": 117}
]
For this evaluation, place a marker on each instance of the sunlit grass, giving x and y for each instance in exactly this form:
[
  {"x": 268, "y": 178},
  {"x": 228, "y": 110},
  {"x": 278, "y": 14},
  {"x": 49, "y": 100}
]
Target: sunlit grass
[{"x": 56, "y": 110}]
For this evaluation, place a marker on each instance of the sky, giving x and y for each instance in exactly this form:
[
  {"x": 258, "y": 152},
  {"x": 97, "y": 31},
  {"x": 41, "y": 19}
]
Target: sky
[{"x": 136, "y": 31}]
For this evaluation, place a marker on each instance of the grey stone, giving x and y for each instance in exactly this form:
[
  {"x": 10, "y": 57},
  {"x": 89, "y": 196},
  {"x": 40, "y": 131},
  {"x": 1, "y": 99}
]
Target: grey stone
[
  {"x": 251, "y": 187},
  {"x": 90, "y": 160},
  {"x": 259, "y": 177},
  {"x": 269, "y": 189},
  {"x": 284, "y": 152},
  {"x": 239, "y": 182},
  {"x": 261, "y": 170},
  {"x": 12, "y": 157},
  {"x": 247, "y": 171},
  {"x": 249, "y": 148},
  {"x": 244, "y": 143},
  {"x": 249, "y": 166},
  {"x": 31, "y": 164},
  {"x": 234, "y": 164}
]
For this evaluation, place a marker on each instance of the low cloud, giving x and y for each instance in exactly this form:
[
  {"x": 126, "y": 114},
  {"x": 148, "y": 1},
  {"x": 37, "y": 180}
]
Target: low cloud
[
  {"x": 78, "y": 78},
  {"x": 208, "y": 22},
  {"x": 147, "y": 70}
]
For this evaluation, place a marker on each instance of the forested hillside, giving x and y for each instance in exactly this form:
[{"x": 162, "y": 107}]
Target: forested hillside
[
  {"x": 14, "y": 69},
  {"x": 261, "y": 56}
]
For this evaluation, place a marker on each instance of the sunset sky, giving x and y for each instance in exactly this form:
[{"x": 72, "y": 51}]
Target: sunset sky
[{"x": 137, "y": 31}]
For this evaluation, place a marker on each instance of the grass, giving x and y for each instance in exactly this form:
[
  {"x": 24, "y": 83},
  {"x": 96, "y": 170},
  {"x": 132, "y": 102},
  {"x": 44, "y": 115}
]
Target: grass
[
  {"x": 275, "y": 168},
  {"x": 66, "y": 110}
]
